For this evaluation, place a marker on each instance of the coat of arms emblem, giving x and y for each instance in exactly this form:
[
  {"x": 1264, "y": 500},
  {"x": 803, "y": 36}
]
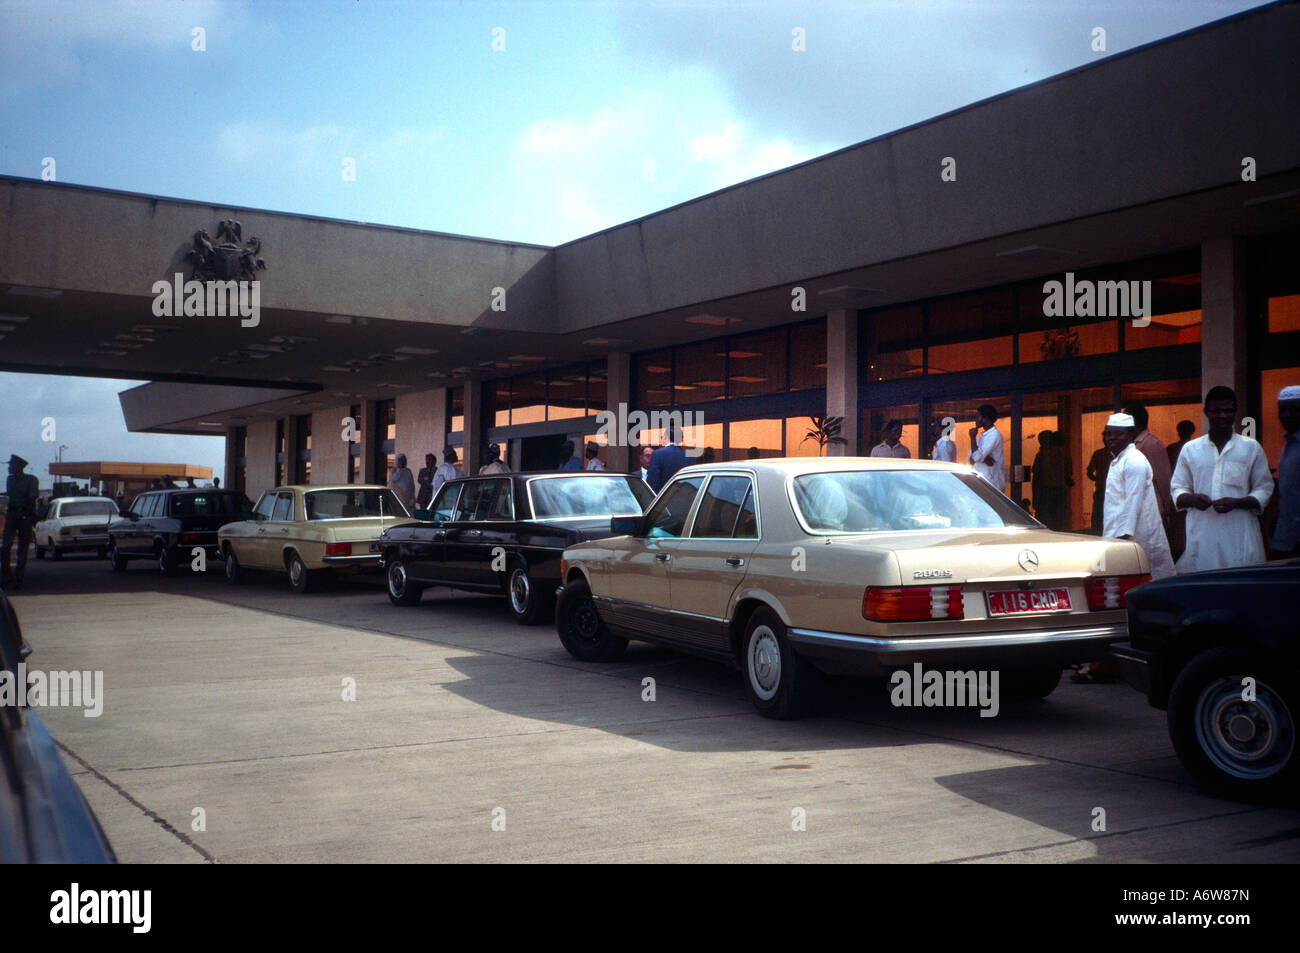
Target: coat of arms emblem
[{"x": 229, "y": 258}]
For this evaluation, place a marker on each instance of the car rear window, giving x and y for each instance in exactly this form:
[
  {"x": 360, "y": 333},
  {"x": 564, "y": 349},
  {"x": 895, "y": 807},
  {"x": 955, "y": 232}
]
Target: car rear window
[
  {"x": 351, "y": 504},
  {"x": 586, "y": 496},
  {"x": 207, "y": 504},
  {"x": 876, "y": 501},
  {"x": 88, "y": 508}
]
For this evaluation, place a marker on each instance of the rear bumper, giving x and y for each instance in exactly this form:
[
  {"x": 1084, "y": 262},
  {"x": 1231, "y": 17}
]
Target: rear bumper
[
  {"x": 358, "y": 561},
  {"x": 1135, "y": 665},
  {"x": 71, "y": 544},
  {"x": 875, "y": 655}
]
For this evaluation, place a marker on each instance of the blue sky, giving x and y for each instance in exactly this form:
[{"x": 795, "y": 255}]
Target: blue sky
[{"x": 594, "y": 113}]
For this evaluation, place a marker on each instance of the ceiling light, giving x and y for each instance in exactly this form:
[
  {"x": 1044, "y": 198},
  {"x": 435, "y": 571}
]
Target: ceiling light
[{"x": 415, "y": 351}]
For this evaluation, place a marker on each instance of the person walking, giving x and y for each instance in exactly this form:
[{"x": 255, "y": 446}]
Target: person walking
[
  {"x": 890, "y": 445},
  {"x": 494, "y": 464},
  {"x": 23, "y": 490},
  {"x": 1285, "y": 542},
  {"x": 402, "y": 483},
  {"x": 986, "y": 448},
  {"x": 1223, "y": 483}
]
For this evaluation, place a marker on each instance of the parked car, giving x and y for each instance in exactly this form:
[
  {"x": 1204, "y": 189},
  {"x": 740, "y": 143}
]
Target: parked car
[
  {"x": 504, "y": 534},
  {"x": 166, "y": 525},
  {"x": 1220, "y": 652},
  {"x": 43, "y": 814},
  {"x": 74, "y": 524},
  {"x": 309, "y": 531},
  {"x": 791, "y": 568}
]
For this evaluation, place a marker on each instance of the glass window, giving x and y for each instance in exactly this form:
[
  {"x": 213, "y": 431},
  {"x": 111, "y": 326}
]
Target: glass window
[
  {"x": 597, "y": 388},
  {"x": 704, "y": 438},
  {"x": 654, "y": 378},
  {"x": 891, "y": 340},
  {"x": 746, "y": 519},
  {"x": 757, "y": 363},
  {"x": 349, "y": 504},
  {"x": 753, "y": 439},
  {"x": 141, "y": 505},
  {"x": 528, "y": 399},
  {"x": 470, "y": 495},
  {"x": 968, "y": 319},
  {"x": 1060, "y": 445},
  {"x": 1283, "y": 314},
  {"x": 444, "y": 503},
  {"x": 797, "y": 441},
  {"x": 1174, "y": 302},
  {"x": 667, "y": 518},
  {"x": 566, "y": 394},
  {"x": 872, "y": 501},
  {"x": 808, "y": 356},
  {"x": 283, "y": 507},
  {"x": 615, "y": 495},
  {"x": 1272, "y": 436},
  {"x": 498, "y": 504},
  {"x": 207, "y": 504},
  {"x": 456, "y": 409},
  {"x": 496, "y": 397},
  {"x": 720, "y": 507},
  {"x": 87, "y": 508},
  {"x": 1167, "y": 402},
  {"x": 1053, "y": 344},
  {"x": 962, "y": 414},
  {"x": 875, "y": 427},
  {"x": 265, "y": 505},
  {"x": 701, "y": 369}
]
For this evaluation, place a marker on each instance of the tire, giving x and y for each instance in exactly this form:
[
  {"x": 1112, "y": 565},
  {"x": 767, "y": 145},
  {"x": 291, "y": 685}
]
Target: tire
[
  {"x": 301, "y": 579},
  {"x": 1031, "y": 683},
  {"x": 234, "y": 571},
  {"x": 166, "y": 559},
  {"x": 1242, "y": 750},
  {"x": 528, "y": 604},
  {"x": 582, "y": 631},
  {"x": 119, "y": 561},
  {"x": 54, "y": 553},
  {"x": 780, "y": 683},
  {"x": 99, "y": 553},
  {"x": 401, "y": 591},
  {"x": 40, "y": 553}
]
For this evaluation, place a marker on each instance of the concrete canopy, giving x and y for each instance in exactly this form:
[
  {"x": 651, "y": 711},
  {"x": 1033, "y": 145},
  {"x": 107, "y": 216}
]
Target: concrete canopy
[{"x": 1138, "y": 154}]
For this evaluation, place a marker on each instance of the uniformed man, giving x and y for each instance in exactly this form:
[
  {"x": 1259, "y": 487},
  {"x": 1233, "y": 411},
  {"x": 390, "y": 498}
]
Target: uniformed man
[{"x": 24, "y": 491}]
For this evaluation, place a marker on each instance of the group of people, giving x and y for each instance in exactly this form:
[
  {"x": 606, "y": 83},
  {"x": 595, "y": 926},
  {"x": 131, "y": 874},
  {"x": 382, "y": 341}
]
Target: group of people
[{"x": 431, "y": 477}]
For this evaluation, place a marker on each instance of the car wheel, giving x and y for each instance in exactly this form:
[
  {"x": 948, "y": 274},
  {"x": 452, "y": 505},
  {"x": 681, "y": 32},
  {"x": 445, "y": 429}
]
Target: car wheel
[
  {"x": 40, "y": 553},
  {"x": 1238, "y": 747},
  {"x": 166, "y": 559},
  {"x": 234, "y": 571},
  {"x": 1031, "y": 683},
  {"x": 99, "y": 553},
  {"x": 528, "y": 604},
  {"x": 300, "y": 578},
  {"x": 582, "y": 631},
  {"x": 401, "y": 591},
  {"x": 54, "y": 553},
  {"x": 780, "y": 682},
  {"x": 119, "y": 561}
]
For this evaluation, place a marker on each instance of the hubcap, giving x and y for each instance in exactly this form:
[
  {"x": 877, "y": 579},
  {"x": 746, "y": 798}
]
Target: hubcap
[
  {"x": 519, "y": 589},
  {"x": 1251, "y": 740},
  {"x": 586, "y": 623},
  {"x": 397, "y": 580},
  {"x": 764, "y": 657},
  {"x": 162, "y": 559},
  {"x": 295, "y": 571}
]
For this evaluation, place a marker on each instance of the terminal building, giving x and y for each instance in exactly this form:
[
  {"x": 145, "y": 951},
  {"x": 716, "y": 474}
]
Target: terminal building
[{"x": 907, "y": 277}]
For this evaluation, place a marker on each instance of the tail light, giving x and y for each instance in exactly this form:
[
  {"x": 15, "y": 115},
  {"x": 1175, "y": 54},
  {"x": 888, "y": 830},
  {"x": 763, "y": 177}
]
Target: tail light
[
  {"x": 1108, "y": 592},
  {"x": 338, "y": 549},
  {"x": 912, "y": 603},
  {"x": 564, "y": 569},
  {"x": 191, "y": 537}
]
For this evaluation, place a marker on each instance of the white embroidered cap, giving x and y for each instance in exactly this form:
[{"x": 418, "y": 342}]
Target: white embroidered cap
[
  {"x": 1120, "y": 420},
  {"x": 1289, "y": 393}
]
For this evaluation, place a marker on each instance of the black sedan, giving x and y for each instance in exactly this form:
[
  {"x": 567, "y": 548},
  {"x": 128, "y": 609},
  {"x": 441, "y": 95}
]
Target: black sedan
[
  {"x": 1220, "y": 651},
  {"x": 166, "y": 525},
  {"x": 505, "y": 534}
]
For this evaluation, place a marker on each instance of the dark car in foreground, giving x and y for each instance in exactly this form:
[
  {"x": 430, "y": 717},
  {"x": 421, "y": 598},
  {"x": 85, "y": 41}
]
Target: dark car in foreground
[
  {"x": 43, "y": 816},
  {"x": 166, "y": 525},
  {"x": 505, "y": 534},
  {"x": 1220, "y": 652}
]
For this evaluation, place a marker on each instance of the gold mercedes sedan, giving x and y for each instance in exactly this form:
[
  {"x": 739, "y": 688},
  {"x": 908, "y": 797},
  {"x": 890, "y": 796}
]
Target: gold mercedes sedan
[
  {"x": 308, "y": 531},
  {"x": 791, "y": 568}
]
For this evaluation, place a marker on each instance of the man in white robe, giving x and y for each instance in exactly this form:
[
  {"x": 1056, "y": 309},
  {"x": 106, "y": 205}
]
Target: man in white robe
[
  {"x": 986, "y": 447},
  {"x": 1132, "y": 508},
  {"x": 1222, "y": 481}
]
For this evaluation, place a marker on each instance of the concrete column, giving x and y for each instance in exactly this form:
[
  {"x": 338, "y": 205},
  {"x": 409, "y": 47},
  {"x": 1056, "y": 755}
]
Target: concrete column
[
  {"x": 330, "y": 460},
  {"x": 1223, "y": 318},
  {"x": 421, "y": 425},
  {"x": 370, "y": 426},
  {"x": 259, "y": 475},
  {"x": 842, "y": 378},
  {"x": 228, "y": 473},
  {"x": 475, "y": 426},
  {"x": 619, "y": 457},
  {"x": 291, "y": 449}
]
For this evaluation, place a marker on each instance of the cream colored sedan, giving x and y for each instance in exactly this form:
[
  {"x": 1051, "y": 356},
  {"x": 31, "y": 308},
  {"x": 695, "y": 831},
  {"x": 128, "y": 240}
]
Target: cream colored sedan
[
  {"x": 792, "y": 568},
  {"x": 307, "y": 531}
]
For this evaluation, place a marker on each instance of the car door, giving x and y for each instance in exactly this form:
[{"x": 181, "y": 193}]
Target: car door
[
  {"x": 244, "y": 536},
  {"x": 272, "y": 534},
  {"x": 464, "y": 543},
  {"x": 137, "y": 531},
  {"x": 639, "y": 571},
  {"x": 710, "y": 561},
  {"x": 425, "y": 554}
]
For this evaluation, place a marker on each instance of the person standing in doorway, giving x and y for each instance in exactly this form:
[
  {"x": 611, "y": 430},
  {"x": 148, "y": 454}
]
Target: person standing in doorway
[
  {"x": 1286, "y": 532},
  {"x": 1223, "y": 483},
  {"x": 986, "y": 447}
]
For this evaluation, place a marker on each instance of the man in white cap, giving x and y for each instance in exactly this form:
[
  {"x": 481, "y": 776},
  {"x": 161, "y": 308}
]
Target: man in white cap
[
  {"x": 1222, "y": 480},
  {"x": 1132, "y": 507},
  {"x": 1286, "y": 534}
]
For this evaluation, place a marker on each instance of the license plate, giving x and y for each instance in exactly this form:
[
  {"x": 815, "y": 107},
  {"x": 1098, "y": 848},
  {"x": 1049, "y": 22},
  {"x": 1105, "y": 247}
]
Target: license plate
[{"x": 1022, "y": 601}]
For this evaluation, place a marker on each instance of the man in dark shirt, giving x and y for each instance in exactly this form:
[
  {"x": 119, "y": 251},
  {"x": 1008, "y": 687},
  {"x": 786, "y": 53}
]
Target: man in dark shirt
[
  {"x": 24, "y": 490},
  {"x": 667, "y": 460}
]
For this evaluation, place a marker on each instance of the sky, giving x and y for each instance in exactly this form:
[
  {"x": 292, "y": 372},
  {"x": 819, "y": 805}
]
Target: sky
[{"x": 526, "y": 121}]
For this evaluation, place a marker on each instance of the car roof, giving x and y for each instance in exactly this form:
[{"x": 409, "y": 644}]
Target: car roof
[
  {"x": 183, "y": 489},
  {"x": 528, "y": 474},
  {"x": 308, "y": 487},
  {"x": 798, "y": 465}
]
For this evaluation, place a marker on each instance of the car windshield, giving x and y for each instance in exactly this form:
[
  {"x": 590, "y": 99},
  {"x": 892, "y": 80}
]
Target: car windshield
[
  {"x": 879, "y": 501},
  {"x": 88, "y": 508},
  {"x": 350, "y": 504},
  {"x": 207, "y": 504},
  {"x": 613, "y": 495}
]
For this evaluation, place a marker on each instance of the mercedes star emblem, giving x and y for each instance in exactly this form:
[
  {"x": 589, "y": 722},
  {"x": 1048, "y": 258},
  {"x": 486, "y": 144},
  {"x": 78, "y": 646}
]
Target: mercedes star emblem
[{"x": 1028, "y": 560}]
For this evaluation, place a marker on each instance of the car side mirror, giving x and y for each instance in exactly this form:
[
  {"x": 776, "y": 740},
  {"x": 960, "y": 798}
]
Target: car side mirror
[
  {"x": 421, "y": 515},
  {"x": 133, "y": 516},
  {"x": 624, "y": 525},
  {"x": 248, "y": 515}
]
